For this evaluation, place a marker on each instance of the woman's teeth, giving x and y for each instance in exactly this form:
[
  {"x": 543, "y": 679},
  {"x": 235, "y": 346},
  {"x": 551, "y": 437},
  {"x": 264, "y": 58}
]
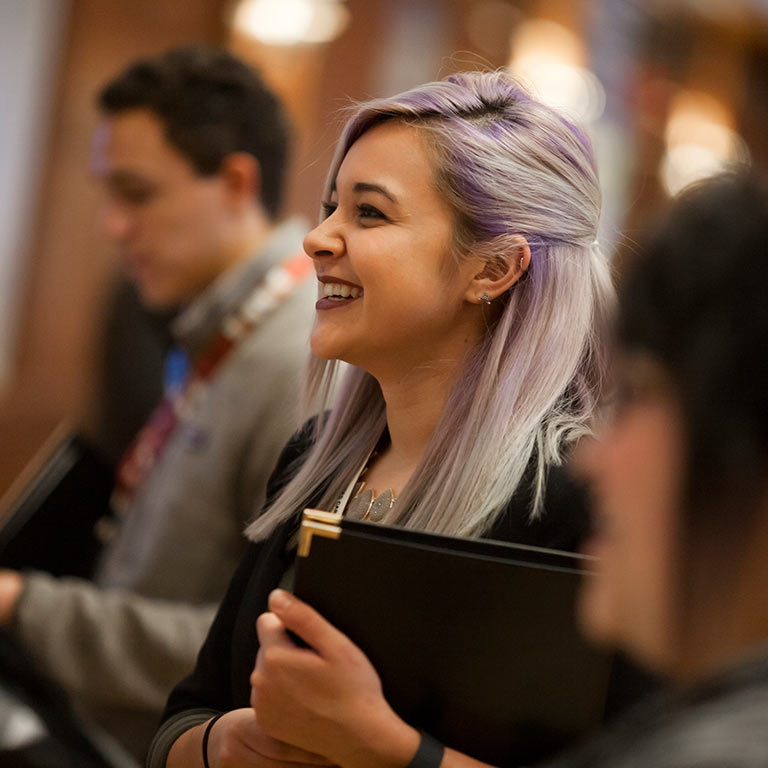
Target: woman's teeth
[{"x": 338, "y": 291}]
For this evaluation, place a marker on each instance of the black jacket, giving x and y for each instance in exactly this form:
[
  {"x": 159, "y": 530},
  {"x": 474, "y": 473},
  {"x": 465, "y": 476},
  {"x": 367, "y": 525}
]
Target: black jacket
[{"x": 220, "y": 680}]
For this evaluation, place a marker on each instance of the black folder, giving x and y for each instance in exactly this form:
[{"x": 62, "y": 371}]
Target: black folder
[
  {"x": 49, "y": 518},
  {"x": 476, "y": 641}
]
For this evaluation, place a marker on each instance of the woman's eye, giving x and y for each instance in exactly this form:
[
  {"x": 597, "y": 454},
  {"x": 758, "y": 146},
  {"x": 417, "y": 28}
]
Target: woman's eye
[
  {"x": 366, "y": 211},
  {"x": 328, "y": 209}
]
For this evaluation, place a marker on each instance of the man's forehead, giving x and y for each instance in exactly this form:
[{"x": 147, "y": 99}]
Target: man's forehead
[{"x": 132, "y": 143}]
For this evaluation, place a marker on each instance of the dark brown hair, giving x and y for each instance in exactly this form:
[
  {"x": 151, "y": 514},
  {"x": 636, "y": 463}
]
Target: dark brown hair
[
  {"x": 211, "y": 104},
  {"x": 696, "y": 301}
]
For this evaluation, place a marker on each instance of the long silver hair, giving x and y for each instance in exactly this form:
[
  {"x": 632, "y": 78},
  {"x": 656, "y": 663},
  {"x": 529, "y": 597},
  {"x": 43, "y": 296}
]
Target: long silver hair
[{"x": 508, "y": 166}]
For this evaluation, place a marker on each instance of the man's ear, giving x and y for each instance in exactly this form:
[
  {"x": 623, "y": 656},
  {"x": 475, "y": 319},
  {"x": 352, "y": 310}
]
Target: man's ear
[
  {"x": 241, "y": 174},
  {"x": 500, "y": 272}
]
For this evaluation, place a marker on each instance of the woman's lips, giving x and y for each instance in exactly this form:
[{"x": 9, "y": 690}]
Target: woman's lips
[
  {"x": 332, "y": 279},
  {"x": 336, "y": 292},
  {"x": 334, "y": 302}
]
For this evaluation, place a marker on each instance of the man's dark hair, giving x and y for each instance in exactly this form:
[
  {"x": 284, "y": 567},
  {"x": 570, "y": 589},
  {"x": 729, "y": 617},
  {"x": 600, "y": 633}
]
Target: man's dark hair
[
  {"x": 212, "y": 104},
  {"x": 696, "y": 301}
]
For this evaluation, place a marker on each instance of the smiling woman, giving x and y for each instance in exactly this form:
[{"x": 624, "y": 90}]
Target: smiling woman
[
  {"x": 389, "y": 241},
  {"x": 472, "y": 212},
  {"x": 460, "y": 279}
]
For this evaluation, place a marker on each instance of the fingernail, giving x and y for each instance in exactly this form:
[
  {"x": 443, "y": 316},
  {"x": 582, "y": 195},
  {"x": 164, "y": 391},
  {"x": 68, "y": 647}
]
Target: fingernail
[{"x": 278, "y": 600}]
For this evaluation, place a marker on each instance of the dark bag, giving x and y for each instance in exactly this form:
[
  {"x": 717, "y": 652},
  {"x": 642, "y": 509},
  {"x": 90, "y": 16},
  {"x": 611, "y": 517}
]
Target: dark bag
[{"x": 50, "y": 518}]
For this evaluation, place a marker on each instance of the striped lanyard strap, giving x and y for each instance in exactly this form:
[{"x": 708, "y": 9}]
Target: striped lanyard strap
[{"x": 278, "y": 285}]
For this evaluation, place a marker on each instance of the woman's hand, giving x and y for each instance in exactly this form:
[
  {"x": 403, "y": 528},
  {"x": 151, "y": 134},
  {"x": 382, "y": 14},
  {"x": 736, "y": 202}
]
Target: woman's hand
[
  {"x": 327, "y": 698},
  {"x": 237, "y": 741}
]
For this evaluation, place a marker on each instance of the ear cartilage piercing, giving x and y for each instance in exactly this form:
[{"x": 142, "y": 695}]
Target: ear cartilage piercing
[{"x": 486, "y": 298}]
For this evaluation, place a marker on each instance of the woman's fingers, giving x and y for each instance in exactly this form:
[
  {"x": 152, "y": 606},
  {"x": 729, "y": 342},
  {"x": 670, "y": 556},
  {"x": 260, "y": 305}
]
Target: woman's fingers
[
  {"x": 271, "y": 632},
  {"x": 308, "y": 624},
  {"x": 317, "y": 697}
]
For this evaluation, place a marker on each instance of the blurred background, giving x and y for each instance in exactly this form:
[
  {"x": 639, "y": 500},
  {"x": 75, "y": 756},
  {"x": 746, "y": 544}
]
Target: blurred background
[{"x": 672, "y": 90}]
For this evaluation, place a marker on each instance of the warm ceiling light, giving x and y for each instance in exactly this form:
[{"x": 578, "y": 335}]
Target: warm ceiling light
[
  {"x": 700, "y": 141},
  {"x": 550, "y": 59},
  {"x": 537, "y": 37},
  {"x": 291, "y": 22}
]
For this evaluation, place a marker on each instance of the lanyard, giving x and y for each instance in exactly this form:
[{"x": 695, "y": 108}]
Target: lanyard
[{"x": 278, "y": 284}]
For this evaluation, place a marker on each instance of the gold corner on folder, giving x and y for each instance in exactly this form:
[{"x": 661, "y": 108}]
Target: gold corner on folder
[
  {"x": 320, "y": 516},
  {"x": 316, "y": 522}
]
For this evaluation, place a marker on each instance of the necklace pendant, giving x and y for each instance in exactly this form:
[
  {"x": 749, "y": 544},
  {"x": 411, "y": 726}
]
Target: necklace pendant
[
  {"x": 360, "y": 506},
  {"x": 381, "y": 505}
]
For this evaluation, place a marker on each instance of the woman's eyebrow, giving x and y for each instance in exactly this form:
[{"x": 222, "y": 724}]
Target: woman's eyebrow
[{"x": 363, "y": 186}]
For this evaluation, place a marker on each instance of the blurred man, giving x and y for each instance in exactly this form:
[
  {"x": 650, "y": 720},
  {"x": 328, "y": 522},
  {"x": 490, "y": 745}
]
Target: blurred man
[{"x": 191, "y": 154}]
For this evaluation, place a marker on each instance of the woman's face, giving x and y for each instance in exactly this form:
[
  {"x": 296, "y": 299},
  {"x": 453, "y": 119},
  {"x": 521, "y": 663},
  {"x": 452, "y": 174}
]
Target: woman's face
[
  {"x": 391, "y": 297},
  {"x": 635, "y": 473}
]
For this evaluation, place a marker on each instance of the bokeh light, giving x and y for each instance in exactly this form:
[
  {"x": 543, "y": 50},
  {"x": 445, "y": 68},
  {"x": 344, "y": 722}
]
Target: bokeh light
[
  {"x": 700, "y": 141},
  {"x": 291, "y": 22},
  {"x": 550, "y": 58}
]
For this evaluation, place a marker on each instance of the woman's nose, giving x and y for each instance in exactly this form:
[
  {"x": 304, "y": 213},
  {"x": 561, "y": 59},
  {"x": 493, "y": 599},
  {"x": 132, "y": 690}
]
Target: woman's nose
[{"x": 324, "y": 241}]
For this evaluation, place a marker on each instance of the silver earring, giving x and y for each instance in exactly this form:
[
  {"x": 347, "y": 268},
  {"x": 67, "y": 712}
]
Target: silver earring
[
  {"x": 486, "y": 298},
  {"x": 522, "y": 259}
]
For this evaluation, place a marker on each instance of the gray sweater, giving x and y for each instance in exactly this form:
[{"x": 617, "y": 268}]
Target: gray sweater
[
  {"x": 120, "y": 644},
  {"x": 720, "y": 723}
]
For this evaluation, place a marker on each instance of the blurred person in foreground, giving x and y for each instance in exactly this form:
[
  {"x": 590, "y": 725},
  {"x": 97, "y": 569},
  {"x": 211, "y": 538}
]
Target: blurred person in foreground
[
  {"x": 463, "y": 285},
  {"x": 680, "y": 482},
  {"x": 191, "y": 153}
]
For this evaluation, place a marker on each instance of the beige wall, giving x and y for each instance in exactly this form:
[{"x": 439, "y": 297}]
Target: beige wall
[{"x": 68, "y": 266}]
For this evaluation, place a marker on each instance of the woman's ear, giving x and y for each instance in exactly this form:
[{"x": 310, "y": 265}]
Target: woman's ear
[{"x": 500, "y": 271}]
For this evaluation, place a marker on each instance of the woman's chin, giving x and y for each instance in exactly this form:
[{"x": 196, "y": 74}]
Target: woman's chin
[
  {"x": 326, "y": 351},
  {"x": 322, "y": 355},
  {"x": 328, "y": 346},
  {"x": 323, "y": 345}
]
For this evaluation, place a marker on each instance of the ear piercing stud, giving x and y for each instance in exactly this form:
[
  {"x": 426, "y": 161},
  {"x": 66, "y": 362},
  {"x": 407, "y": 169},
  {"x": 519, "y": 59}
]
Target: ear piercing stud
[{"x": 486, "y": 298}]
